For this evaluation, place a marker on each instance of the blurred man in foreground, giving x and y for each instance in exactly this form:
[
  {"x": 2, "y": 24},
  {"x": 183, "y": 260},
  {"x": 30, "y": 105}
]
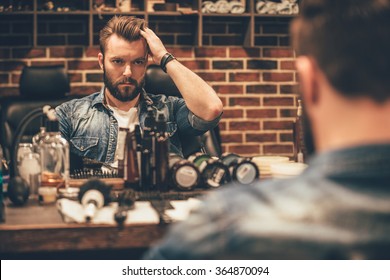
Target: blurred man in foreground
[{"x": 339, "y": 207}]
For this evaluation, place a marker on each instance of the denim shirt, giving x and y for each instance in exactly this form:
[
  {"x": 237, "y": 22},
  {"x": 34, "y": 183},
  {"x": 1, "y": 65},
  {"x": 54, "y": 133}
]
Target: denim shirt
[
  {"x": 91, "y": 128},
  {"x": 339, "y": 207}
]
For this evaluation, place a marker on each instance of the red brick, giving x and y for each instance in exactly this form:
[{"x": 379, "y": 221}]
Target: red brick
[
  {"x": 181, "y": 52},
  {"x": 68, "y": 52},
  {"x": 244, "y": 52},
  {"x": 83, "y": 65},
  {"x": 95, "y": 77},
  {"x": 11, "y": 65},
  {"x": 261, "y": 113},
  {"x": 278, "y": 77},
  {"x": 210, "y": 52},
  {"x": 196, "y": 64},
  {"x": 278, "y": 149},
  {"x": 244, "y": 77},
  {"x": 229, "y": 89},
  {"x": 268, "y": 89},
  {"x": 228, "y": 64},
  {"x": 278, "y": 101},
  {"x": 222, "y": 126},
  {"x": 244, "y": 149},
  {"x": 84, "y": 90},
  {"x": 260, "y": 137},
  {"x": 29, "y": 53},
  {"x": 233, "y": 113},
  {"x": 286, "y": 113},
  {"x": 224, "y": 100},
  {"x": 232, "y": 137},
  {"x": 15, "y": 78},
  {"x": 278, "y": 52},
  {"x": 261, "y": 64},
  {"x": 277, "y": 125},
  {"x": 47, "y": 62},
  {"x": 92, "y": 51},
  {"x": 244, "y": 101},
  {"x": 212, "y": 76},
  {"x": 244, "y": 125},
  {"x": 288, "y": 89},
  {"x": 287, "y": 65},
  {"x": 75, "y": 77},
  {"x": 286, "y": 137}
]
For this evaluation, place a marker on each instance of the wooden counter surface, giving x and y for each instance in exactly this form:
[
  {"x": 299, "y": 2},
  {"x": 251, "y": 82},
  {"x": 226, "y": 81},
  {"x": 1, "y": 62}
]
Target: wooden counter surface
[{"x": 34, "y": 229}]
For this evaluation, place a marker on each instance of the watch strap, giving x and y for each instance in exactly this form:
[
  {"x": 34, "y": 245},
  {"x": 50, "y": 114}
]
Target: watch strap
[{"x": 164, "y": 61}]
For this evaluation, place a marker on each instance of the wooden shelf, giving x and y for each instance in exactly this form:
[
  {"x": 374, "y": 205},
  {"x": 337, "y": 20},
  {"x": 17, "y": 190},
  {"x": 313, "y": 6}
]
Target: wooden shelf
[{"x": 198, "y": 20}]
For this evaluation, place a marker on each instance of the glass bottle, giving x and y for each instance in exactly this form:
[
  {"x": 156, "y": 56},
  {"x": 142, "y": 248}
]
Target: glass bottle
[{"x": 54, "y": 157}]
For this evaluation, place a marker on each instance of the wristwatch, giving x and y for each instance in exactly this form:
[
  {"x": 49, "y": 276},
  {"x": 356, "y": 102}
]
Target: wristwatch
[{"x": 164, "y": 61}]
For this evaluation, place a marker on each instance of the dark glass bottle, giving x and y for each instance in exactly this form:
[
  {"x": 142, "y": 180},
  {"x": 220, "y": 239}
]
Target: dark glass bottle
[
  {"x": 131, "y": 170},
  {"x": 161, "y": 154}
]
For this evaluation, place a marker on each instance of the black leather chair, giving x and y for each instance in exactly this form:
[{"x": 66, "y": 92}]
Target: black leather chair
[
  {"x": 38, "y": 86},
  {"x": 159, "y": 82}
]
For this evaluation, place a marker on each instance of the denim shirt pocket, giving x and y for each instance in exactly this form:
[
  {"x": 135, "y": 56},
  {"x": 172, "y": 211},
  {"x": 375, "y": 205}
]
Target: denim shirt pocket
[{"x": 86, "y": 146}]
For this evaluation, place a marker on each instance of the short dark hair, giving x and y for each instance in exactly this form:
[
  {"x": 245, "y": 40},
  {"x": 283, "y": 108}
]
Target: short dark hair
[
  {"x": 350, "y": 41},
  {"x": 126, "y": 27}
]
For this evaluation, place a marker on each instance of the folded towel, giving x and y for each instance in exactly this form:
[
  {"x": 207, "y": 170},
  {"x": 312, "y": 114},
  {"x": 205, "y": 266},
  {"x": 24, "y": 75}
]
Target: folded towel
[{"x": 73, "y": 212}]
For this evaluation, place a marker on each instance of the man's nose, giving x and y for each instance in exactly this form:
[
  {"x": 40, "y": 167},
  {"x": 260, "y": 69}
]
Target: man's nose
[{"x": 127, "y": 71}]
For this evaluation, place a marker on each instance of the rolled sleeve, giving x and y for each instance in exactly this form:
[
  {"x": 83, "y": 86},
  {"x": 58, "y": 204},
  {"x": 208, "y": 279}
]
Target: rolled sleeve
[{"x": 201, "y": 124}]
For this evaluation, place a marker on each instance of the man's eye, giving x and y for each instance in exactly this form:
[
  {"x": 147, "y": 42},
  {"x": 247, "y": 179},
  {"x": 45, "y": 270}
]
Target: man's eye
[
  {"x": 139, "y": 62},
  {"x": 117, "y": 61}
]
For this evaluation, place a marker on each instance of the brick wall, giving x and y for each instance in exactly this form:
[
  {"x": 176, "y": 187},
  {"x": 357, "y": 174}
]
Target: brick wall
[{"x": 257, "y": 85}]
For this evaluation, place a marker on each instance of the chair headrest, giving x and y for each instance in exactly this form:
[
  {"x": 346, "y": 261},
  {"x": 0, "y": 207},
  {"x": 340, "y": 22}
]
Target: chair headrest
[
  {"x": 44, "y": 82},
  {"x": 159, "y": 82}
]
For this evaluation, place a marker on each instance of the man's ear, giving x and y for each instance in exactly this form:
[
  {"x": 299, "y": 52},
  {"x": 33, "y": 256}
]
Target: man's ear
[
  {"x": 101, "y": 60},
  {"x": 306, "y": 68}
]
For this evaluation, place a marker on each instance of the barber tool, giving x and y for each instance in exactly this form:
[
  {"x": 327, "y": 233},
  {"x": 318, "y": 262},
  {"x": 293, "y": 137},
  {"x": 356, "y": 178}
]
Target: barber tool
[
  {"x": 161, "y": 153},
  {"x": 126, "y": 202},
  {"x": 94, "y": 194},
  {"x": 242, "y": 169}
]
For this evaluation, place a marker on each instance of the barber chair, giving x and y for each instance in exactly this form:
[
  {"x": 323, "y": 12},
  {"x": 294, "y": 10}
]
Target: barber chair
[
  {"x": 38, "y": 86},
  {"x": 159, "y": 82}
]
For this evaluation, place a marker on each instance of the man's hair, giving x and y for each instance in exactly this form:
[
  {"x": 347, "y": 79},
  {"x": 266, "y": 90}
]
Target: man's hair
[
  {"x": 125, "y": 27},
  {"x": 350, "y": 40}
]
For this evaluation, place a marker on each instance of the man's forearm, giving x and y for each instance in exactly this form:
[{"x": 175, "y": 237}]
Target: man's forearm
[{"x": 199, "y": 96}]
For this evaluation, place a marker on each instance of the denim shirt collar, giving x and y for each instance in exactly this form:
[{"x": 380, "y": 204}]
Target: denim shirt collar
[{"x": 361, "y": 161}]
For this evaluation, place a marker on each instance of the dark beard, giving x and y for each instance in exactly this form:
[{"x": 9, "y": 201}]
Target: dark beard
[{"x": 127, "y": 95}]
